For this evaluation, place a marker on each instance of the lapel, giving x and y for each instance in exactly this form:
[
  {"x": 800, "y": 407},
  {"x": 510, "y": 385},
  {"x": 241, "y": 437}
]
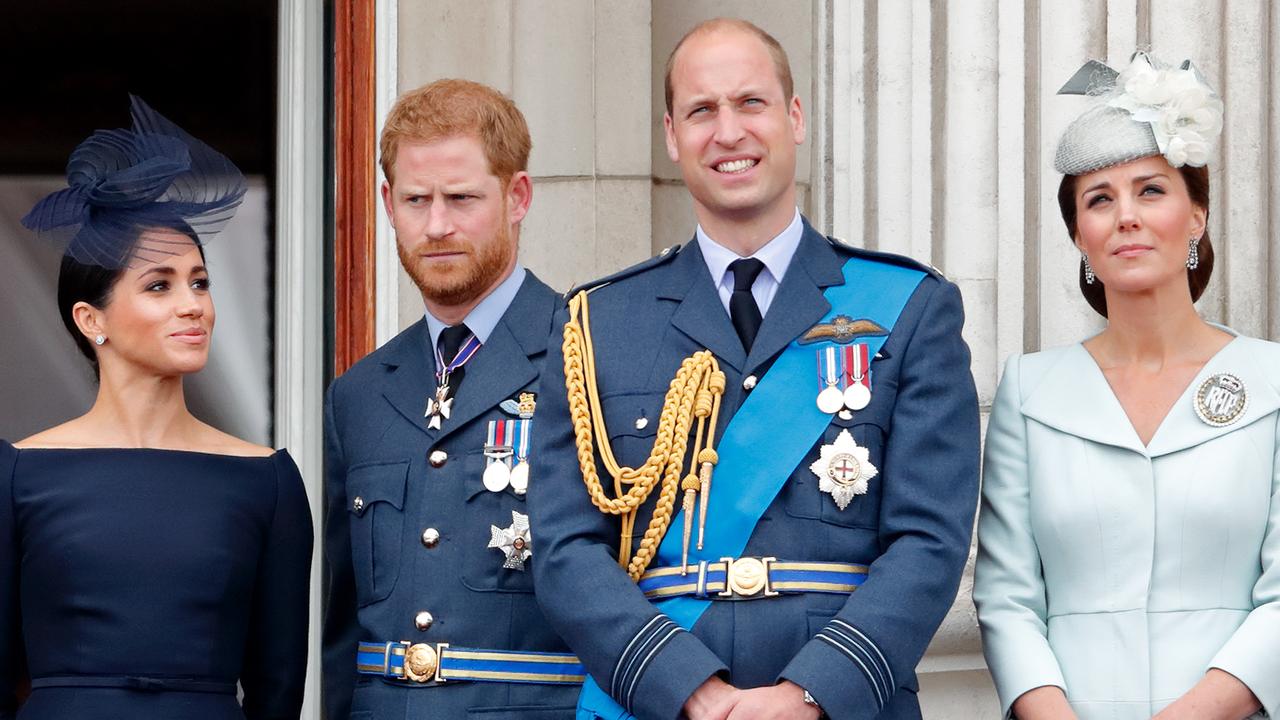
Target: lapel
[
  {"x": 799, "y": 303},
  {"x": 1074, "y": 397},
  {"x": 796, "y": 306},
  {"x": 412, "y": 374},
  {"x": 700, "y": 315},
  {"x": 1182, "y": 428},
  {"x": 502, "y": 366}
]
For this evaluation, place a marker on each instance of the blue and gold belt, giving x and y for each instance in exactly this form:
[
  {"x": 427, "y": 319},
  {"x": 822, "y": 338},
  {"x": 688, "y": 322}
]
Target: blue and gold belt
[
  {"x": 439, "y": 663},
  {"x": 749, "y": 578}
]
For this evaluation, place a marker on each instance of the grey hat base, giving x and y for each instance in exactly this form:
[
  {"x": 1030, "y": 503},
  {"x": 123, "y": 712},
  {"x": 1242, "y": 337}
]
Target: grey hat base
[{"x": 1102, "y": 137}]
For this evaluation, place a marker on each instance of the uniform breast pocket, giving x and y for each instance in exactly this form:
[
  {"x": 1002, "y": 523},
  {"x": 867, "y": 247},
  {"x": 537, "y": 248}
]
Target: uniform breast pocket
[
  {"x": 491, "y": 524},
  {"x": 851, "y": 472},
  {"x": 632, "y": 420},
  {"x": 375, "y": 506}
]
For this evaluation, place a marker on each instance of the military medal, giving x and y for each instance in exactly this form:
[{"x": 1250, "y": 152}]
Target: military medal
[
  {"x": 513, "y": 541},
  {"x": 831, "y": 374},
  {"x": 843, "y": 469},
  {"x": 1221, "y": 399},
  {"x": 441, "y": 406},
  {"x": 520, "y": 473},
  {"x": 857, "y": 394},
  {"x": 498, "y": 452}
]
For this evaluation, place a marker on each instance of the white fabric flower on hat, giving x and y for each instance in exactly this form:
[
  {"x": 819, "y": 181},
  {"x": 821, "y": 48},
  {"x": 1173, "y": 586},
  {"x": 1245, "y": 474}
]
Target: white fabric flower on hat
[{"x": 1184, "y": 113}]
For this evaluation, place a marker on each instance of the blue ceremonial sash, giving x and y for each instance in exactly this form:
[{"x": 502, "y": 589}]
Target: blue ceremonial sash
[{"x": 873, "y": 290}]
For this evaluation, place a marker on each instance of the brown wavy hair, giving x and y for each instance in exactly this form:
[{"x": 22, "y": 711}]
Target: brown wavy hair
[
  {"x": 451, "y": 108},
  {"x": 1197, "y": 180}
]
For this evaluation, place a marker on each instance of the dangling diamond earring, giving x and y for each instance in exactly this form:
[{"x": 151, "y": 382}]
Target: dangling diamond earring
[
  {"x": 100, "y": 340},
  {"x": 1193, "y": 254},
  {"x": 1088, "y": 269}
]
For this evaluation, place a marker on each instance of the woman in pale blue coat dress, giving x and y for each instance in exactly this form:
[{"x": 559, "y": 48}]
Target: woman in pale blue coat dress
[{"x": 1129, "y": 541}]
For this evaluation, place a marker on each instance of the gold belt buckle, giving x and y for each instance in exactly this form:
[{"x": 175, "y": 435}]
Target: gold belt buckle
[
  {"x": 422, "y": 662},
  {"x": 747, "y": 578}
]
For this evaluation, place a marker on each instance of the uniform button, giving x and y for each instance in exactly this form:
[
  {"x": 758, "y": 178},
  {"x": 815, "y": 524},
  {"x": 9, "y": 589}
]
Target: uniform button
[
  {"x": 642, "y": 423},
  {"x": 438, "y": 458},
  {"x": 749, "y": 382},
  {"x": 423, "y": 620},
  {"x": 431, "y": 537},
  {"x": 358, "y": 504}
]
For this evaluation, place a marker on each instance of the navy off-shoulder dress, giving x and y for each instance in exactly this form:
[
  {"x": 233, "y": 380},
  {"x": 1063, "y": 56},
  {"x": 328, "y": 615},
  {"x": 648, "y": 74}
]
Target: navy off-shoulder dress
[{"x": 146, "y": 583}]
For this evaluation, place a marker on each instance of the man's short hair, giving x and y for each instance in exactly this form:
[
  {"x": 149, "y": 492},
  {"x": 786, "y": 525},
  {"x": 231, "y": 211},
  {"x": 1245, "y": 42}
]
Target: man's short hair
[
  {"x": 451, "y": 108},
  {"x": 780, "y": 62}
]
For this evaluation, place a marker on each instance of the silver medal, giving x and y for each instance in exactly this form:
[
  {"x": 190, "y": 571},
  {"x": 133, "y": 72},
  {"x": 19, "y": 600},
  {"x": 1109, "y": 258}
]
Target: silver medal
[
  {"x": 497, "y": 476},
  {"x": 520, "y": 477},
  {"x": 830, "y": 400},
  {"x": 856, "y": 396}
]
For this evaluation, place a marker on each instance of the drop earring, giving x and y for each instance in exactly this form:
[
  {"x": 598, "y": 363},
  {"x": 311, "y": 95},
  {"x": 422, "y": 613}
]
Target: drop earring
[
  {"x": 1193, "y": 254},
  {"x": 1088, "y": 269}
]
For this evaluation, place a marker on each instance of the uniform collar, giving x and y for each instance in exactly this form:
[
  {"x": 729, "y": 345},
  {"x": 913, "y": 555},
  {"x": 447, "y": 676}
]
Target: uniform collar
[
  {"x": 1074, "y": 397},
  {"x": 776, "y": 254},
  {"x": 484, "y": 317}
]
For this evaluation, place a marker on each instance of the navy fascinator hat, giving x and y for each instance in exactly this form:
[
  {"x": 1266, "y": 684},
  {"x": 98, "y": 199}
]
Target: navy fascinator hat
[{"x": 121, "y": 183}]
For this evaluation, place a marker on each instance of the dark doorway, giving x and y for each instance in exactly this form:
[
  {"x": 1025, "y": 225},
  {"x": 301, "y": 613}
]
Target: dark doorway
[{"x": 211, "y": 67}]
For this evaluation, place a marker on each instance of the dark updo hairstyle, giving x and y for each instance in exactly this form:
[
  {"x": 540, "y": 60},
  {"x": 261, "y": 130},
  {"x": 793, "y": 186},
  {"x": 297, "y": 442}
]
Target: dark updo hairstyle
[
  {"x": 1197, "y": 180},
  {"x": 92, "y": 284}
]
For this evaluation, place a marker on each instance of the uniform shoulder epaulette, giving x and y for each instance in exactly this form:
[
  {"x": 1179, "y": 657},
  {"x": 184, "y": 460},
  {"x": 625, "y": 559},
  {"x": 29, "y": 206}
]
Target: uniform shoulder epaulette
[
  {"x": 886, "y": 257},
  {"x": 661, "y": 258}
]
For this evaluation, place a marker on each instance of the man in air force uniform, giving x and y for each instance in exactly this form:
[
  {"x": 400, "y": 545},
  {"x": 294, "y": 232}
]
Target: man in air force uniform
[
  {"x": 778, "y": 532},
  {"x": 430, "y": 606}
]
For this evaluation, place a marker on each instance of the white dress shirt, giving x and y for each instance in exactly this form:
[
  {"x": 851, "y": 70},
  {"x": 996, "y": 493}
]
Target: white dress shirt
[{"x": 776, "y": 256}]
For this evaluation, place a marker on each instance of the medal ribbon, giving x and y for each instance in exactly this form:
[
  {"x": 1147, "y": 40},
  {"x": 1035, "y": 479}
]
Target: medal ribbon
[
  {"x": 857, "y": 365},
  {"x": 874, "y": 290},
  {"x": 499, "y": 434},
  {"x": 831, "y": 364},
  {"x": 521, "y": 438},
  {"x": 465, "y": 353}
]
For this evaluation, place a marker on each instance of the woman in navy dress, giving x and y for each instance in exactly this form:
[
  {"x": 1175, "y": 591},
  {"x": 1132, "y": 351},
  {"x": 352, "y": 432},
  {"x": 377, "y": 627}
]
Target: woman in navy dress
[{"x": 149, "y": 563}]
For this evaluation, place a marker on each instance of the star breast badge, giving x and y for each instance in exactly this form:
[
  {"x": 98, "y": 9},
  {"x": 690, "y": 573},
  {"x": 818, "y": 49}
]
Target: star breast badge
[
  {"x": 843, "y": 469},
  {"x": 513, "y": 541}
]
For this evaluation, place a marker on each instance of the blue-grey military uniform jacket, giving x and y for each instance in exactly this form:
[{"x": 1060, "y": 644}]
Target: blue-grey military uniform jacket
[
  {"x": 912, "y": 527},
  {"x": 382, "y": 573}
]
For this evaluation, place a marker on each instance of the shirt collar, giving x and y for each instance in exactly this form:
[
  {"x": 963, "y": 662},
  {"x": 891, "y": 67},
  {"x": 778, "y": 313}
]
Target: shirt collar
[
  {"x": 484, "y": 317},
  {"x": 776, "y": 254}
]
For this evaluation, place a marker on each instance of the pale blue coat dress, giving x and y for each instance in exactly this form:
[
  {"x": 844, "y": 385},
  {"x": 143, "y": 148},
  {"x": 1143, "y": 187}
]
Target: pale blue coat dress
[{"x": 1121, "y": 573}]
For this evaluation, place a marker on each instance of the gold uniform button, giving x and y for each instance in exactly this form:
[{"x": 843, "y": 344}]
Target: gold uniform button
[
  {"x": 438, "y": 458},
  {"x": 749, "y": 382},
  {"x": 430, "y": 537},
  {"x": 423, "y": 620}
]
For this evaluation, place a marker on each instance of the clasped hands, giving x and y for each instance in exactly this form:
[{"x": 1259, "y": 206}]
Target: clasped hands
[{"x": 716, "y": 699}]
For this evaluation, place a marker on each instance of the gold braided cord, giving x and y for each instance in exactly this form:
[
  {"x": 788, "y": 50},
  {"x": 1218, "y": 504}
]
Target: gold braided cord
[{"x": 694, "y": 393}]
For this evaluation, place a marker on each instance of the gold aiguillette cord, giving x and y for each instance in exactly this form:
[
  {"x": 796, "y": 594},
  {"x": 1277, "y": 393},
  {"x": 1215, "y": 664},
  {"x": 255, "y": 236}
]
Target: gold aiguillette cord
[{"x": 694, "y": 393}]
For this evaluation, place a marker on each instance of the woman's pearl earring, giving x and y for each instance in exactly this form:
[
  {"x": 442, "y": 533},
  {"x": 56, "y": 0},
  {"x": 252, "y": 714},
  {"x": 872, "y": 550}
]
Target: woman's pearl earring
[{"x": 100, "y": 340}]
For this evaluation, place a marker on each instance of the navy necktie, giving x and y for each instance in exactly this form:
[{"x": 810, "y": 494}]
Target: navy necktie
[{"x": 743, "y": 310}]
